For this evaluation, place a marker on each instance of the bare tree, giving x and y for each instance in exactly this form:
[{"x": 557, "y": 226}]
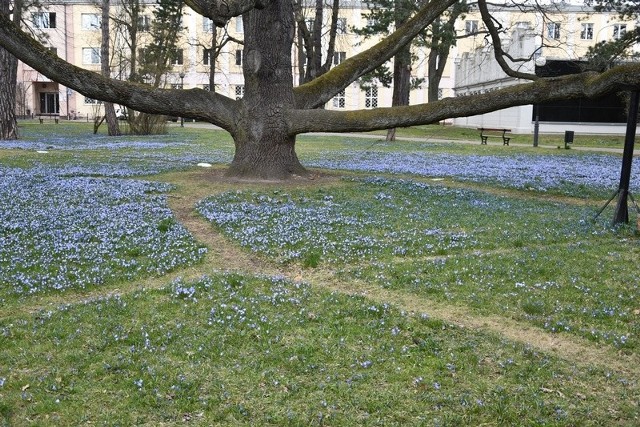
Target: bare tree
[
  {"x": 310, "y": 50},
  {"x": 212, "y": 47},
  {"x": 105, "y": 69},
  {"x": 265, "y": 122}
]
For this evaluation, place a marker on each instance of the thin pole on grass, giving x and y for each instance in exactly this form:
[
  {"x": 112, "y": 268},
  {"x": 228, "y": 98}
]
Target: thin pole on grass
[{"x": 621, "y": 214}]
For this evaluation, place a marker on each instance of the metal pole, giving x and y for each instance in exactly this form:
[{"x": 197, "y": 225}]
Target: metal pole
[
  {"x": 536, "y": 126},
  {"x": 621, "y": 214},
  {"x": 181, "y": 87}
]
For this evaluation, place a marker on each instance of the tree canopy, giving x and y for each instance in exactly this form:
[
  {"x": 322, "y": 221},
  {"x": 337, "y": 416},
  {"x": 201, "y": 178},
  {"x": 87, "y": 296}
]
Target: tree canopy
[{"x": 265, "y": 122}]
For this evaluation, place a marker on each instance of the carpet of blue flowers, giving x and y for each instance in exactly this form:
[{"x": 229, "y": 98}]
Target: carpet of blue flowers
[
  {"x": 567, "y": 174},
  {"x": 60, "y": 231},
  {"x": 382, "y": 217}
]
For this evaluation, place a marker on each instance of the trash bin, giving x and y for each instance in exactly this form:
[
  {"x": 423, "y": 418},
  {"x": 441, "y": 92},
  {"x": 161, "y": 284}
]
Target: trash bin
[{"x": 568, "y": 138}]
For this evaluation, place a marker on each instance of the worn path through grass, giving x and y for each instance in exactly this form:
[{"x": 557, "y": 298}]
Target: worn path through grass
[{"x": 227, "y": 256}]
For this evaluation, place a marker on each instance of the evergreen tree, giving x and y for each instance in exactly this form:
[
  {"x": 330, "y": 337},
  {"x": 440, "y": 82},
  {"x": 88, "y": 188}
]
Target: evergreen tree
[
  {"x": 439, "y": 37},
  {"x": 606, "y": 54},
  {"x": 162, "y": 52}
]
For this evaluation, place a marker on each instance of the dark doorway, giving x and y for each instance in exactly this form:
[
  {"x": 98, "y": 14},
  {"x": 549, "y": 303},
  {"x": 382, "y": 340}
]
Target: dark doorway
[{"x": 49, "y": 103}]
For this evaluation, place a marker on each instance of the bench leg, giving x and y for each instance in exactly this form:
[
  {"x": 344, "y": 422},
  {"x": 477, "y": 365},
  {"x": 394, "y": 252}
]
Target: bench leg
[
  {"x": 505, "y": 141},
  {"x": 41, "y": 120},
  {"x": 484, "y": 140}
]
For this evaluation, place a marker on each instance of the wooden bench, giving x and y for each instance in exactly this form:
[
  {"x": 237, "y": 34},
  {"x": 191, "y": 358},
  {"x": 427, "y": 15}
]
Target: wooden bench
[
  {"x": 54, "y": 116},
  {"x": 486, "y": 133}
]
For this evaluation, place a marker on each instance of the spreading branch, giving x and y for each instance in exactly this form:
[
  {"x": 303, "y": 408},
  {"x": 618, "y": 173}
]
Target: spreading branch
[
  {"x": 500, "y": 54},
  {"x": 184, "y": 103},
  {"x": 322, "y": 89},
  {"x": 221, "y": 11},
  {"x": 585, "y": 85}
]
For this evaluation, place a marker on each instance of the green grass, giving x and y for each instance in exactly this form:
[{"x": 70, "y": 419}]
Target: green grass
[
  {"x": 359, "y": 323},
  {"x": 536, "y": 261},
  {"x": 454, "y": 133},
  {"x": 427, "y": 133},
  {"x": 237, "y": 350}
]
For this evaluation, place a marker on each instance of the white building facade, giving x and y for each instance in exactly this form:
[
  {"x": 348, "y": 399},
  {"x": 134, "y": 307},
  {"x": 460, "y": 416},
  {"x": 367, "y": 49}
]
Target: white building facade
[{"x": 560, "y": 35}]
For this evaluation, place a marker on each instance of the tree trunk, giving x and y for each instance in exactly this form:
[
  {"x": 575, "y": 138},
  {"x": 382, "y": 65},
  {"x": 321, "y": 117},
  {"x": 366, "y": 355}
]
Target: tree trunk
[
  {"x": 264, "y": 146},
  {"x": 437, "y": 61},
  {"x": 213, "y": 57},
  {"x": 401, "y": 82},
  {"x": 133, "y": 10},
  {"x": 401, "y": 66},
  {"x": 8, "y": 75},
  {"x": 109, "y": 111}
]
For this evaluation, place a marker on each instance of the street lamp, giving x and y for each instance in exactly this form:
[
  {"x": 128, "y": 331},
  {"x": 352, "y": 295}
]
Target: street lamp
[
  {"x": 181, "y": 87},
  {"x": 540, "y": 61}
]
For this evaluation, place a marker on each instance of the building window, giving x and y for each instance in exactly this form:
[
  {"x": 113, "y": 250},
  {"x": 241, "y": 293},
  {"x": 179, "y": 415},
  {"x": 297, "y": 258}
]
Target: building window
[
  {"x": 310, "y": 23},
  {"x": 91, "y": 101},
  {"x": 49, "y": 102},
  {"x": 470, "y": 27},
  {"x": 339, "y": 57},
  {"x": 142, "y": 55},
  {"x": 43, "y": 19},
  {"x": 338, "y": 100},
  {"x": 239, "y": 25},
  {"x": 586, "y": 33},
  {"x": 177, "y": 57},
  {"x": 553, "y": 30},
  {"x": 619, "y": 30},
  {"x": 206, "y": 56},
  {"x": 90, "y": 21},
  {"x": 177, "y": 86},
  {"x": 206, "y": 87},
  {"x": 370, "y": 22},
  {"x": 144, "y": 23},
  {"x": 90, "y": 55},
  {"x": 207, "y": 25},
  {"x": 342, "y": 26},
  {"x": 238, "y": 57},
  {"x": 371, "y": 97},
  {"x": 239, "y": 92}
]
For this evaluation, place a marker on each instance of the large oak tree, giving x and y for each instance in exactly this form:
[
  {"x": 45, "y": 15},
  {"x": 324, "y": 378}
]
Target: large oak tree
[
  {"x": 265, "y": 122},
  {"x": 8, "y": 74}
]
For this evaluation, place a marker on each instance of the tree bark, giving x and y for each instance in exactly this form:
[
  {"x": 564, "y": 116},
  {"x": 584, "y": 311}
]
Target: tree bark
[
  {"x": 213, "y": 59},
  {"x": 264, "y": 146},
  {"x": 8, "y": 77},
  {"x": 433, "y": 75},
  {"x": 401, "y": 67},
  {"x": 401, "y": 82},
  {"x": 109, "y": 111}
]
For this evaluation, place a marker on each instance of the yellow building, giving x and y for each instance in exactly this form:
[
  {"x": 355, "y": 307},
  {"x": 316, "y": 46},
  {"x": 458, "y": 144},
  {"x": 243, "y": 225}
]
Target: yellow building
[{"x": 72, "y": 29}]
